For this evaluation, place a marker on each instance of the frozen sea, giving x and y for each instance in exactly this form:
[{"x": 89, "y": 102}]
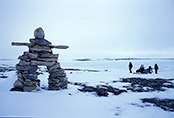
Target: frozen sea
[{"x": 71, "y": 103}]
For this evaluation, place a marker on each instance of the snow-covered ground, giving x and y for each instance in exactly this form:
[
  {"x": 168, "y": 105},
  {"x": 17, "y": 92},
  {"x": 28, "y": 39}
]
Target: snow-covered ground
[{"x": 71, "y": 103}]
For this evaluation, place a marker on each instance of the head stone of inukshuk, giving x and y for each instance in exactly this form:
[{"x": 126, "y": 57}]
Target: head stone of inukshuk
[
  {"x": 39, "y": 33},
  {"x": 39, "y": 54}
]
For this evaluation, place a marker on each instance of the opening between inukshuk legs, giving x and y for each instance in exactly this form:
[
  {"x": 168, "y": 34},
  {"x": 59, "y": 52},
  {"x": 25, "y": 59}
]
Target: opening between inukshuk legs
[{"x": 39, "y": 54}]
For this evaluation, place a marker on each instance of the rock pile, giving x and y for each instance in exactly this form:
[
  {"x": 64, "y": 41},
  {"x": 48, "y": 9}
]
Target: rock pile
[{"x": 39, "y": 54}]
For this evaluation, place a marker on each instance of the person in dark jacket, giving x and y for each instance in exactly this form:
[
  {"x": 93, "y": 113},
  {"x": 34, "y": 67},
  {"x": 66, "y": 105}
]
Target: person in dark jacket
[
  {"x": 149, "y": 70},
  {"x": 156, "y": 68},
  {"x": 130, "y": 67}
]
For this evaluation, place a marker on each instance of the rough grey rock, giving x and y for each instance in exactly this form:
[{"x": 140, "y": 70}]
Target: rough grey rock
[
  {"x": 40, "y": 49},
  {"x": 147, "y": 85},
  {"x": 26, "y": 68},
  {"x": 29, "y": 88},
  {"x": 41, "y": 63},
  {"x": 48, "y": 55},
  {"x": 30, "y": 76},
  {"x": 39, "y": 33},
  {"x": 165, "y": 104},
  {"x": 31, "y": 55},
  {"x": 18, "y": 84},
  {"x": 29, "y": 82},
  {"x": 23, "y": 62},
  {"x": 55, "y": 67},
  {"x": 47, "y": 59},
  {"x": 57, "y": 75},
  {"x": 40, "y": 42}
]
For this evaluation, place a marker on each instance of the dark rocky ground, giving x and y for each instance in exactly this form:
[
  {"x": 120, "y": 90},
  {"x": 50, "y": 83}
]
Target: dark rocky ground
[
  {"x": 165, "y": 104},
  {"x": 100, "y": 90},
  {"x": 147, "y": 85}
]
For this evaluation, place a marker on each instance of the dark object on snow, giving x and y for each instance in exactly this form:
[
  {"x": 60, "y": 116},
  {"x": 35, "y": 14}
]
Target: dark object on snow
[
  {"x": 3, "y": 76},
  {"x": 88, "y": 89},
  {"x": 17, "y": 89},
  {"x": 142, "y": 70},
  {"x": 130, "y": 67},
  {"x": 156, "y": 68},
  {"x": 102, "y": 90},
  {"x": 147, "y": 85},
  {"x": 165, "y": 104},
  {"x": 149, "y": 70}
]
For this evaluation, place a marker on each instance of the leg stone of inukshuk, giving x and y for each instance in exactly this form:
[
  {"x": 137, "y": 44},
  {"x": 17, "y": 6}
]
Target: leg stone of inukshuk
[
  {"x": 57, "y": 78},
  {"x": 27, "y": 77}
]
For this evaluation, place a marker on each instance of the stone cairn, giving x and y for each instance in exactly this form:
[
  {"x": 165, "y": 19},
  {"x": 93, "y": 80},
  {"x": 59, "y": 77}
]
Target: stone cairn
[{"x": 39, "y": 54}]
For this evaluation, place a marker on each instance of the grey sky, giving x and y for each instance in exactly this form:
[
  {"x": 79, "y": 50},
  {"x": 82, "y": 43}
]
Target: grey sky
[{"x": 92, "y": 28}]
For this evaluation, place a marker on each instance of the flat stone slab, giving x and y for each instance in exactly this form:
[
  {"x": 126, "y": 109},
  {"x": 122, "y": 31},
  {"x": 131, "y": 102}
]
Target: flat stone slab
[
  {"x": 42, "y": 42},
  {"x": 42, "y": 63},
  {"x": 31, "y": 68},
  {"x": 48, "y": 55},
  {"x": 31, "y": 44},
  {"x": 39, "y": 48}
]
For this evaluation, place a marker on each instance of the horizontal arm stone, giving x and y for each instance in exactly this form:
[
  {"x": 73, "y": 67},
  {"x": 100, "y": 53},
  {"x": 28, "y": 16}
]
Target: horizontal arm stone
[
  {"x": 59, "y": 46},
  {"x": 21, "y": 44},
  {"x": 30, "y": 44}
]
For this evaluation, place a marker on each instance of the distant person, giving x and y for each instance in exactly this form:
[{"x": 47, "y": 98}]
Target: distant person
[
  {"x": 156, "y": 68},
  {"x": 150, "y": 70},
  {"x": 141, "y": 69},
  {"x": 130, "y": 67}
]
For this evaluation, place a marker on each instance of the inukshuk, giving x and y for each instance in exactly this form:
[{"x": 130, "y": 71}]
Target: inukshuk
[{"x": 39, "y": 54}]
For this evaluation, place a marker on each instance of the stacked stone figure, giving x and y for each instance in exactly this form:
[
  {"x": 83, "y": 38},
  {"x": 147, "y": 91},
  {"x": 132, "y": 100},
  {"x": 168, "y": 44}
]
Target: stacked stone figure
[{"x": 39, "y": 54}]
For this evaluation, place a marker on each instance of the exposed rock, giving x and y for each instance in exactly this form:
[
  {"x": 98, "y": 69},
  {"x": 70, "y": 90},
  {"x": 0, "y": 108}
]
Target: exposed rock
[
  {"x": 18, "y": 84},
  {"x": 29, "y": 88},
  {"x": 39, "y": 33},
  {"x": 47, "y": 59},
  {"x": 40, "y": 42},
  {"x": 3, "y": 76},
  {"x": 165, "y": 104},
  {"x": 146, "y": 85},
  {"x": 101, "y": 90},
  {"x": 41, "y": 63},
  {"x": 30, "y": 76},
  {"x": 23, "y": 62},
  {"x": 88, "y": 89},
  {"x": 30, "y": 68},
  {"x": 85, "y": 70},
  {"x": 17, "y": 89},
  {"x": 40, "y": 49},
  {"x": 6, "y": 69},
  {"x": 54, "y": 67},
  {"x": 48, "y": 55},
  {"x": 31, "y": 55}
]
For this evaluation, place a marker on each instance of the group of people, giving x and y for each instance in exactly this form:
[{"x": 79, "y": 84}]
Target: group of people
[{"x": 142, "y": 69}]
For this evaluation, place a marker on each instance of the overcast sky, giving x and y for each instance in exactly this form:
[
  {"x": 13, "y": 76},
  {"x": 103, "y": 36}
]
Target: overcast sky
[{"x": 91, "y": 28}]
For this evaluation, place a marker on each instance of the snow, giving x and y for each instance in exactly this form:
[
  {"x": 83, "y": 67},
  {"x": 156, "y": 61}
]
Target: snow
[{"x": 71, "y": 103}]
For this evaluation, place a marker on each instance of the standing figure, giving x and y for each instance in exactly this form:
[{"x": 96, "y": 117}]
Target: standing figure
[
  {"x": 130, "y": 67},
  {"x": 156, "y": 68}
]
